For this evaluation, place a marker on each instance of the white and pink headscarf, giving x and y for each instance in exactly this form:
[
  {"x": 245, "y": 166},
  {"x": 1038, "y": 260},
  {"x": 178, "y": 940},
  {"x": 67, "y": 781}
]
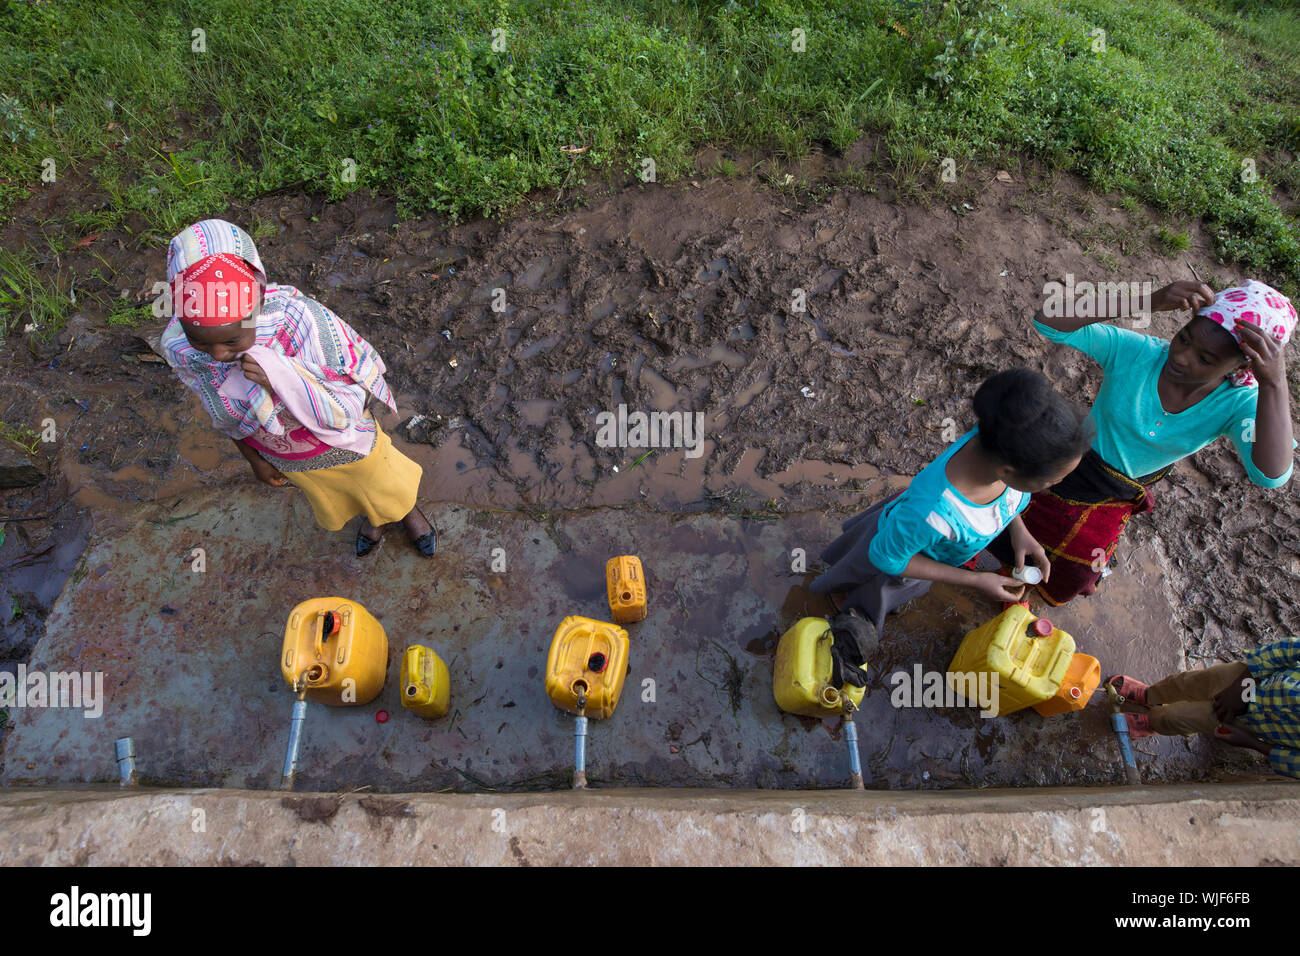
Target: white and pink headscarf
[{"x": 1257, "y": 304}]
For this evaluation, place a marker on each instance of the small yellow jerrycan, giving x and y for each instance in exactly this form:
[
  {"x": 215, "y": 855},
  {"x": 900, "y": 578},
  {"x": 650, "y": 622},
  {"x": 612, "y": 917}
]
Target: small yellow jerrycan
[
  {"x": 426, "y": 682},
  {"x": 588, "y": 659},
  {"x": 1028, "y": 655},
  {"x": 802, "y": 674},
  {"x": 625, "y": 584},
  {"x": 337, "y": 650}
]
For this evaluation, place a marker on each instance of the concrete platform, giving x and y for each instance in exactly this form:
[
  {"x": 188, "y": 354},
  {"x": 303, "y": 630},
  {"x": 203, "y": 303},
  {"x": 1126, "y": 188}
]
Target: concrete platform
[
  {"x": 190, "y": 660},
  {"x": 1252, "y": 824}
]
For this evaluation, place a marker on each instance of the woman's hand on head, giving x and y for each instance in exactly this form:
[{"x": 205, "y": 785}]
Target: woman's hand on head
[
  {"x": 1182, "y": 295},
  {"x": 1266, "y": 354},
  {"x": 253, "y": 372}
]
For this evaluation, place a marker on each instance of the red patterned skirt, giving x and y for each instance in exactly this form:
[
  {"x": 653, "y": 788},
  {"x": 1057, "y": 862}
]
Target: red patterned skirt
[{"x": 1079, "y": 521}]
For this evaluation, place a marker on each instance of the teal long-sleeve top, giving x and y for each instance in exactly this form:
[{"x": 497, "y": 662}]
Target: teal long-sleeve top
[{"x": 1134, "y": 432}]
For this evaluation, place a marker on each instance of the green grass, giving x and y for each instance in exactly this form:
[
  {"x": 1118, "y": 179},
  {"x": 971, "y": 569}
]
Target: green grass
[
  {"x": 27, "y": 300},
  {"x": 130, "y": 317},
  {"x": 410, "y": 98},
  {"x": 25, "y": 438},
  {"x": 1170, "y": 242}
]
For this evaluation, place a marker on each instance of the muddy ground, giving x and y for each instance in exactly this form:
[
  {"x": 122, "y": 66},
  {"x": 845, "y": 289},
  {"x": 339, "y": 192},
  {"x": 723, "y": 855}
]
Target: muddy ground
[{"x": 661, "y": 297}]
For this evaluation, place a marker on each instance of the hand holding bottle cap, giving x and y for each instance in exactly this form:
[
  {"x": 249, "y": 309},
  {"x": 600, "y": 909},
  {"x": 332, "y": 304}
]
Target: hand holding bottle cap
[{"x": 1028, "y": 574}]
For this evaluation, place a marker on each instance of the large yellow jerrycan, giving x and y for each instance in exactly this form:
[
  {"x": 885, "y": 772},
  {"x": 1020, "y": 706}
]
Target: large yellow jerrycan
[
  {"x": 589, "y": 659},
  {"x": 625, "y": 587},
  {"x": 801, "y": 677},
  {"x": 1028, "y": 655},
  {"x": 426, "y": 682},
  {"x": 337, "y": 649}
]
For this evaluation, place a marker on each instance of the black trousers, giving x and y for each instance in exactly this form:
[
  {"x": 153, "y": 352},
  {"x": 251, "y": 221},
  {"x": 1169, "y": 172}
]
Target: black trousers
[{"x": 871, "y": 590}]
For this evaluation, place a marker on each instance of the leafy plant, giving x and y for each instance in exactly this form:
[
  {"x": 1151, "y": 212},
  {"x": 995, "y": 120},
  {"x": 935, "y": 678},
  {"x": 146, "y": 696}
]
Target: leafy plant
[{"x": 25, "y": 437}]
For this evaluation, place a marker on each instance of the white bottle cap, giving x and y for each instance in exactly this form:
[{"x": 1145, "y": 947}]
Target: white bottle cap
[{"x": 1028, "y": 574}]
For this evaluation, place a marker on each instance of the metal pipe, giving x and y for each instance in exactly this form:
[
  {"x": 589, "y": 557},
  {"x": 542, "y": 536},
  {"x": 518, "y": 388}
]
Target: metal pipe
[
  {"x": 124, "y": 748},
  {"x": 855, "y": 760},
  {"x": 580, "y": 754},
  {"x": 1120, "y": 726},
  {"x": 295, "y": 739},
  {"x": 1131, "y": 775}
]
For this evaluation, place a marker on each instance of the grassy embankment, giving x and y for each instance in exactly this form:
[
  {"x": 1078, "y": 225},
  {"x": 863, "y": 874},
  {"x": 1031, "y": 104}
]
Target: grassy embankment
[{"x": 1180, "y": 99}]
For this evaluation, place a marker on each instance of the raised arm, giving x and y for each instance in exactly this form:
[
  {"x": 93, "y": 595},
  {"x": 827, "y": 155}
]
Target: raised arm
[
  {"x": 1272, "y": 449},
  {"x": 1176, "y": 295}
]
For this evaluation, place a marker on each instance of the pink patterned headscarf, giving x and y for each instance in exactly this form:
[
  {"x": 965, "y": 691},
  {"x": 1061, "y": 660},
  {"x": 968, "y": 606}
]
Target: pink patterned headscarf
[{"x": 1257, "y": 304}]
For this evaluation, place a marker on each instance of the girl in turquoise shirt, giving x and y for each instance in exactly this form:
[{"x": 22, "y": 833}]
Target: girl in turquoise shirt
[
  {"x": 1028, "y": 438},
  {"x": 1222, "y": 375}
]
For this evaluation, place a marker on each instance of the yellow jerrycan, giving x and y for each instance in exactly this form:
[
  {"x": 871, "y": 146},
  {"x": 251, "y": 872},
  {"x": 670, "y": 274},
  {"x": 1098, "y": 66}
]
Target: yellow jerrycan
[
  {"x": 625, "y": 585},
  {"x": 1028, "y": 655},
  {"x": 335, "y": 651},
  {"x": 802, "y": 674},
  {"x": 589, "y": 659},
  {"x": 426, "y": 682}
]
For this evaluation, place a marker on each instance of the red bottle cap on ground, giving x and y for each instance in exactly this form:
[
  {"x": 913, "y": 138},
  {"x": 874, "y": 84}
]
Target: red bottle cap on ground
[
  {"x": 381, "y": 717},
  {"x": 1041, "y": 627}
]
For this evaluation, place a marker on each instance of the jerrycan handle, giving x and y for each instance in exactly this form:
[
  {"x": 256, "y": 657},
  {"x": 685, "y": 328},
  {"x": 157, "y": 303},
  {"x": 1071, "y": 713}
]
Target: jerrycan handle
[
  {"x": 331, "y": 623},
  {"x": 1040, "y": 627}
]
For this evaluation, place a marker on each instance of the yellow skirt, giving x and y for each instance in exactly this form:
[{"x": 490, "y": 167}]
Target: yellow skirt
[{"x": 383, "y": 486}]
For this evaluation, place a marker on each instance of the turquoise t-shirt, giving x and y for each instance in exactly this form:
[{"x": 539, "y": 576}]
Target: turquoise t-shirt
[
  {"x": 935, "y": 519},
  {"x": 1134, "y": 432}
]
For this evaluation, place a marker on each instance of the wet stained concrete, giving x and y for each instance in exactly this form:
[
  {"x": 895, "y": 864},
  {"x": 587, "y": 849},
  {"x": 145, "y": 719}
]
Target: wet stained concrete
[{"x": 191, "y": 659}]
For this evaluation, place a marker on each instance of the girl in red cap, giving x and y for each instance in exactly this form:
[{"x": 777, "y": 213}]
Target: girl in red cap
[{"x": 288, "y": 381}]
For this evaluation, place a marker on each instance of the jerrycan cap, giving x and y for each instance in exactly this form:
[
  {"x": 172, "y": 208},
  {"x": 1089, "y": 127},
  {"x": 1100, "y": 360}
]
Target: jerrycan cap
[
  {"x": 330, "y": 622},
  {"x": 596, "y": 663},
  {"x": 1041, "y": 628}
]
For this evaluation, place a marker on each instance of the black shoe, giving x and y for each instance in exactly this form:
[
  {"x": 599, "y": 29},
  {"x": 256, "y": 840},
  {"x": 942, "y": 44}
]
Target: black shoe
[
  {"x": 427, "y": 543},
  {"x": 365, "y": 545}
]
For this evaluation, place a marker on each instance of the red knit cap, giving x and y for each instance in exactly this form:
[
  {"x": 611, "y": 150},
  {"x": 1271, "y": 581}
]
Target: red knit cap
[{"x": 215, "y": 290}]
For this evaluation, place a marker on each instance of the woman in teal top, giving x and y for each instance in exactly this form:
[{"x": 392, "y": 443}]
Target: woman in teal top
[
  {"x": 1028, "y": 438},
  {"x": 1222, "y": 375}
]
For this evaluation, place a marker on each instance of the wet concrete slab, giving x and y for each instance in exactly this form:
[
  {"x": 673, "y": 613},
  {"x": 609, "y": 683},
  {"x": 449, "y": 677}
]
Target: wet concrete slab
[{"x": 191, "y": 672}]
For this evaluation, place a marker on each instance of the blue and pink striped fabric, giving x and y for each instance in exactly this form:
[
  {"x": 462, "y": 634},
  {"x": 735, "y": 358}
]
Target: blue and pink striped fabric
[{"x": 334, "y": 366}]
